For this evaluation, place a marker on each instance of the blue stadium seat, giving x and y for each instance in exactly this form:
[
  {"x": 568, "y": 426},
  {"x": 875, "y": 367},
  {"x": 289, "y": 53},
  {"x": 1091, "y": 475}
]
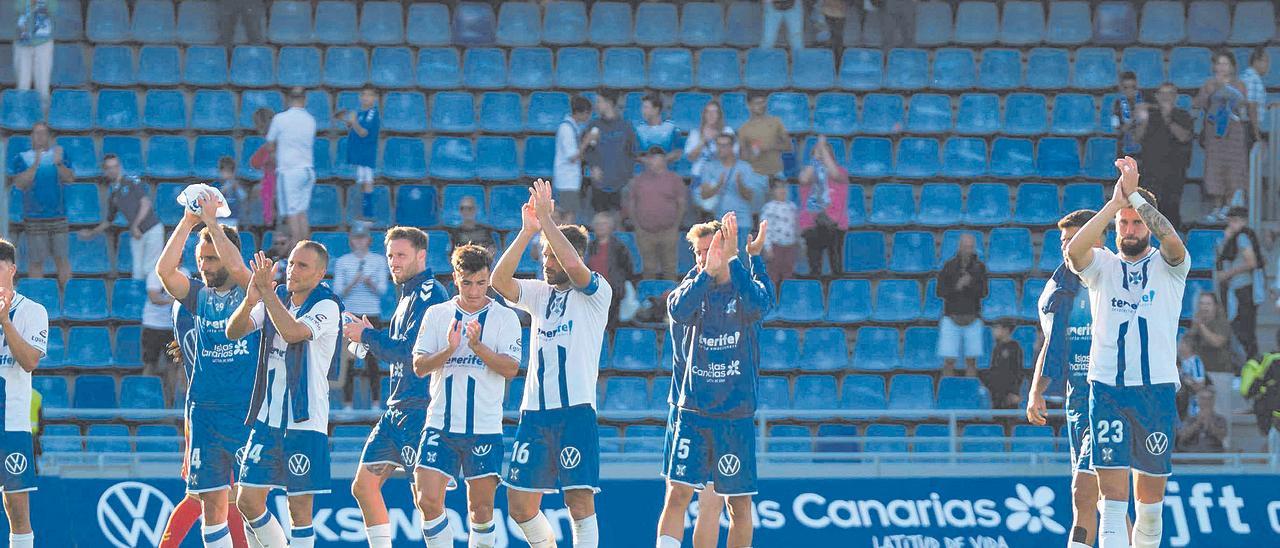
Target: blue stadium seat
[
  {"x": 744, "y": 21},
  {"x": 55, "y": 355},
  {"x": 159, "y": 66},
  {"x": 885, "y": 438},
  {"x": 351, "y": 438},
  {"x": 205, "y": 66},
  {"x": 346, "y": 67},
  {"x": 774, "y": 393},
  {"x": 897, "y": 301},
  {"x": 892, "y": 204},
  {"x": 940, "y": 205},
  {"x": 108, "y": 438},
  {"x": 1082, "y": 196},
  {"x": 1099, "y": 158},
  {"x": 853, "y": 298},
  {"x": 792, "y": 108},
  {"x": 910, "y": 391},
  {"x": 644, "y": 439},
  {"x": 1051, "y": 254},
  {"x": 857, "y": 206},
  {"x": 864, "y": 252},
  {"x": 656, "y": 24},
  {"x": 1074, "y": 114},
  {"x": 108, "y": 21},
  {"x": 1254, "y": 23},
  {"x": 335, "y": 22},
  {"x": 1208, "y": 22},
  {"x": 917, "y": 157},
  {"x": 1162, "y": 23},
  {"x": 1022, "y": 23},
  {"x": 1115, "y": 23},
  {"x": 1011, "y": 251},
  {"x": 530, "y": 68},
  {"x": 1001, "y": 69},
  {"x": 779, "y": 349},
  {"x": 982, "y": 438},
  {"x": 127, "y": 298},
  {"x": 62, "y": 438},
  {"x": 252, "y": 100},
  {"x": 117, "y": 110},
  {"x": 164, "y": 109},
  {"x": 610, "y": 24},
  {"x": 954, "y": 69},
  {"x": 813, "y": 69},
  {"x": 1002, "y": 299},
  {"x": 931, "y": 438},
  {"x": 626, "y": 394},
  {"x": 987, "y": 204},
  {"x": 70, "y": 110},
  {"x": 473, "y": 24},
  {"x": 1202, "y": 245},
  {"x": 290, "y": 22},
  {"x": 453, "y": 194},
  {"x": 964, "y": 157},
  {"x": 299, "y": 66},
  {"x": 624, "y": 68},
  {"x": 882, "y": 113},
  {"x": 835, "y": 114},
  {"x": 951, "y": 240},
  {"x": 1146, "y": 63},
  {"x": 1048, "y": 68},
  {"x": 168, "y": 157},
  {"x": 861, "y": 69},
  {"x": 381, "y": 23},
  {"x": 912, "y": 253},
  {"x": 929, "y": 113},
  {"x": 453, "y": 112},
  {"x": 381, "y": 207},
  {"x": 871, "y": 157},
  {"x": 453, "y": 159},
  {"x": 635, "y": 350},
  {"x": 141, "y": 392},
  {"x": 81, "y": 202},
  {"x": 45, "y": 292},
  {"x": 976, "y": 22},
  {"x": 979, "y": 114},
  {"x": 208, "y": 149},
  {"x": 1058, "y": 157},
  {"x": 1188, "y": 66},
  {"x": 669, "y": 68},
  {"x": 563, "y": 23},
  {"x": 863, "y": 392},
  {"x": 539, "y": 154},
  {"x": 69, "y": 68},
  {"x": 427, "y": 25},
  {"x": 920, "y": 346},
  {"x": 1031, "y": 291},
  {"x": 496, "y": 159},
  {"x": 933, "y": 23},
  {"x": 158, "y": 438},
  {"x": 578, "y": 68},
  {"x": 484, "y": 68},
  {"x": 53, "y": 391},
  {"x": 686, "y": 109},
  {"x": 253, "y": 66},
  {"x": 1195, "y": 286},
  {"x": 1028, "y": 438},
  {"x": 500, "y": 111},
  {"x": 439, "y": 68},
  {"x": 113, "y": 66},
  {"x": 88, "y": 346},
  {"x": 836, "y": 438},
  {"x": 404, "y": 158},
  {"x": 815, "y": 392},
  {"x": 406, "y": 112},
  {"x": 197, "y": 22},
  {"x": 68, "y": 22},
  {"x": 962, "y": 393},
  {"x": 1095, "y": 68},
  {"x": 1037, "y": 204},
  {"x": 907, "y": 69},
  {"x": 800, "y": 301},
  {"x": 325, "y": 210},
  {"x": 702, "y": 24},
  {"x": 610, "y": 439},
  {"x": 1025, "y": 114},
  {"x": 546, "y": 110},
  {"x": 84, "y": 299}
]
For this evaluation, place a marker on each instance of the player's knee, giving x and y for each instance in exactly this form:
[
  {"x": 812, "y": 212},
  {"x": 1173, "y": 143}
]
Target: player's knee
[
  {"x": 581, "y": 502},
  {"x": 679, "y": 495},
  {"x": 430, "y": 504},
  {"x": 480, "y": 512},
  {"x": 248, "y": 507},
  {"x": 1084, "y": 498},
  {"x": 739, "y": 507}
]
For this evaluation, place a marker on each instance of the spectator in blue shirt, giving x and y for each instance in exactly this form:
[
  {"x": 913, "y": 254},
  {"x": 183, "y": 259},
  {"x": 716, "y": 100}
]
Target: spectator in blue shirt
[
  {"x": 362, "y": 146},
  {"x": 611, "y": 149},
  {"x": 654, "y": 131},
  {"x": 40, "y": 173},
  {"x": 730, "y": 185}
]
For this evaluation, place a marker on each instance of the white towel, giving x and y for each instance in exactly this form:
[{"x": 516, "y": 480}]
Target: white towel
[{"x": 189, "y": 196}]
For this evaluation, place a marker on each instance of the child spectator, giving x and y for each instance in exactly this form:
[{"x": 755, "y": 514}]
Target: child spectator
[
  {"x": 362, "y": 146},
  {"x": 1004, "y": 378},
  {"x": 780, "y": 247}
]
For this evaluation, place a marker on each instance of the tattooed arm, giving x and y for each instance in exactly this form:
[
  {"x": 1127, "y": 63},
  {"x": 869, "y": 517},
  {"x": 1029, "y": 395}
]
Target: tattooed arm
[{"x": 1172, "y": 248}]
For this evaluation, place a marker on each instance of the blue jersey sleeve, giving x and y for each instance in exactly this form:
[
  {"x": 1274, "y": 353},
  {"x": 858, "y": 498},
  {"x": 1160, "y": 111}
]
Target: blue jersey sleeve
[
  {"x": 17, "y": 164},
  {"x": 400, "y": 350},
  {"x": 191, "y": 301},
  {"x": 685, "y": 300},
  {"x": 754, "y": 285},
  {"x": 1055, "y": 353}
]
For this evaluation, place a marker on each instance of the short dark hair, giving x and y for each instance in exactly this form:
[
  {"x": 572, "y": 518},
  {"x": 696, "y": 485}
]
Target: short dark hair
[
  {"x": 1076, "y": 219},
  {"x": 297, "y": 93},
  {"x": 580, "y": 104},
  {"x": 702, "y": 230},
  {"x": 110, "y": 156},
  {"x": 8, "y": 253},
  {"x": 1231, "y": 57},
  {"x": 231, "y": 232},
  {"x": 1258, "y": 52},
  {"x": 577, "y": 236},
  {"x": 756, "y": 94},
  {"x": 226, "y": 162},
  {"x": 416, "y": 237},
  {"x": 470, "y": 258},
  {"x": 318, "y": 248},
  {"x": 608, "y": 95},
  {"x": 1128, "y": 75},
  {"x": 653, "y": 99}
]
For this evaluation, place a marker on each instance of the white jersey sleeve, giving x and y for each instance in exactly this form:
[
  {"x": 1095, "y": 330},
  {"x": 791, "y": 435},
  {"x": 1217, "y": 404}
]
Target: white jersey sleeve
[
  {"x": 533, "y": 295},
  {"x": 1104, "y": 261},
  {"x": 322, "y": 320},
  {"x": 507, "y": 338},
  {"x": 32, "y": 321},
  {"x": 429, "y": 339},
  {"x": 1180, "y": 271}
]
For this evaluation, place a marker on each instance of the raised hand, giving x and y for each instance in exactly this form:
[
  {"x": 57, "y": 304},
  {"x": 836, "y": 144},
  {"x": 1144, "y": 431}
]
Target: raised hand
[
  {"x": 1118, "y": 195},
  {"x": 473, "y": 334},
  {"x": 263, "y": 273},
  {"x": 729, "y": 232},
  {"x": 529, "y": 216},
  {"x": 1128, "y": 174},
  {"x": 6, "y": 300},
  {"x": 756, "y": 245},
  {"x": 716, "y": 262},
  {"x": 543, "y": 204},
  {"x": 454, "y": 338},
  {"x": 208, "y": 204},
  {"x": 57, "y": 155}
]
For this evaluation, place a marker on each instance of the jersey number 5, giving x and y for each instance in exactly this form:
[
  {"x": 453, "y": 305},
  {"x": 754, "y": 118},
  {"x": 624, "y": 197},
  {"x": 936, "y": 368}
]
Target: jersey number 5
[{"x": 682, "y": 448}]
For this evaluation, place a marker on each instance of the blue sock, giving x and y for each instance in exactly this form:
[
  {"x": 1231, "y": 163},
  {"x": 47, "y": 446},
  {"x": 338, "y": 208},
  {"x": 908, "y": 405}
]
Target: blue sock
[{"x": 366, "y": 202}]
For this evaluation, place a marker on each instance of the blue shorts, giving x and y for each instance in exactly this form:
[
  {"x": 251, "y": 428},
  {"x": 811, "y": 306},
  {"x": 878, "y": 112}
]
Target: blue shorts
[
  {"x": 471, "y": 457},
  {"x": 702, "y": 450},
  {"x": 556, "y": 450},
  {"x": 294, "y": 460},
  {"x": 1078, "y": 431},
  {"x": 216, "y": 447},
  {"x": 1133, "y": 427},
  {"x": 19, "y": 474},
  {"x": 394, "y": 440}
]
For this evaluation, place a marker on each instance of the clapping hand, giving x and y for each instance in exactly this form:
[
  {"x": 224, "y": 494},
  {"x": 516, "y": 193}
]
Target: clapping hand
[
  {"x": 1128, "y": 175},
  {"x": 716, "y": 264},
  {"x": 756, "y": 245},
  {"x": 543, "y": 204},
  {"x": 729, "y": 233},
  {"x": 454, "y": 337},
  {"x": 353, "y": 328},
  {"x": 473, "y": 334},
  {"x": 263, "y": 274}
]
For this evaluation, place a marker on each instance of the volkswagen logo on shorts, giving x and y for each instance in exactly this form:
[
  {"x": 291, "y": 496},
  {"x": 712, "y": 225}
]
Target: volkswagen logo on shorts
[
  {"x": 729, "y": 465},
  {"x": 133, "y": 514},
  {"x": 240, "y": 455},
  {"x": 1157, "y": 443},
  {"x": 482, "y": 449},
  {"x": 15, "y": 463},
  {"x": 570, "y": 458},
  {"x": 299, "y": 464},
  {"x": 409, "y": 455}
]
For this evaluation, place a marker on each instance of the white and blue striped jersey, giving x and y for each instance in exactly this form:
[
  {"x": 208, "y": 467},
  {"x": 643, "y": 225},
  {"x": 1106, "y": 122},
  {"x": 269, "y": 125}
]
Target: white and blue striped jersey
[
  {"x": 564, "y": 351},
  {"x": 1136, "y": 306},
  {"x": 467, "y": 395},
  {"x": 32, "y": 322},
  {"x": 325, "y": 324}
]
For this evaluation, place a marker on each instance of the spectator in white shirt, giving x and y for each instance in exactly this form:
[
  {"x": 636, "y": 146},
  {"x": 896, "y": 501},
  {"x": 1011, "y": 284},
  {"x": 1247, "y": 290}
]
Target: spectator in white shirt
[
  {"x": 1256, "y": 91},
  {"x": 157, "y": 333},
  {"x": 360, "y": 278},
  {"x": 781, "y": 248},
  {"x": 292, "y": 135},
  {"x": 566, "y": 179}
]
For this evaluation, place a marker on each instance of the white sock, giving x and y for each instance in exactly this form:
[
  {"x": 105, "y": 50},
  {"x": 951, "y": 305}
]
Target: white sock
[
  {"x": 216, "y": 536},
  {"x": 483, "y": 535},
  {"x": 668, "y": 542},
  {"x": 379, "y": 535},
  {"x": 586, "y": 534},
  {"x": 302, "y": 537},
  {"x": 268, "y": 531},
  {"x": 537, "y": 532},
  {"x": 436, "y": 532},
  {"x": 1078, "y": 545},
  {"x": 1148, "y": 528},
  {"x": 22, "y": 541},
  {"x": 1112, "y": 528},
  {"x": 250, "y": 538}
]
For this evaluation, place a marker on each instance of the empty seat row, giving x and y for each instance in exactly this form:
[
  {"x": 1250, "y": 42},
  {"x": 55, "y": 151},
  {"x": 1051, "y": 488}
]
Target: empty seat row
[
  {"x": 87, "y": 299},
  {"x": 94, "y": 346},
  {"x": 99, "y": 392},
  {"x": 111, "y": 438},
  {"x": 977, "y": 204}
]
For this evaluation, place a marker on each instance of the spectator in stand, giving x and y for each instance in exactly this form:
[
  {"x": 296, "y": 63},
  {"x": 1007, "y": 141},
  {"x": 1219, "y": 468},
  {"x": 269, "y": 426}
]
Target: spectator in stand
[
  {"x": 128, "y": 196},
  {"x": 264, "y": 160},
  {"x": 1226, "y": 162},
  {"x": 1241, "y": 279},
  {"x": 471, "y": 231},
  {"x": 780, "y": 244},
  {"x": 824, "y": 209},
  {"x": 33, "y": 48},
  {"x": 835, "y": 12},
  {"x": 249, "y": 12},
  {"x": 777, "y": 12},
  {"x": 733, "y": 186},
  {"x": 1255, "y": 94},
  {"x": 360, "y": 278},
  {"x": 700, "y": 150},
  {"x": 1192, "y": 374},
  {"x": 40, "y": 173},
  {"x": 1210, "y": 338},
  {"x": 654, "y": 131},
  {"x": 1206, "y": 432},
  {"x": 655, "y": 205},
  {"x": 611, "y": 145},
  {"x": 1164, "y": 133},
  {"x": 242, "y": 196},
  {"x": 570, "y": 146},
  {"x": 1124, "y": 117},
  {"x": 962, "y": 285},
  {"x": 610, "y": 257},
  {"x": 763, "y": 137},
  {"x": 897, "y": 22},
  {"x": 362, "y": 146},
  {"x": 157, "y": 333},
  {"x": 1004, "y": 378},
  {"x": 291, "y": 136}
]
